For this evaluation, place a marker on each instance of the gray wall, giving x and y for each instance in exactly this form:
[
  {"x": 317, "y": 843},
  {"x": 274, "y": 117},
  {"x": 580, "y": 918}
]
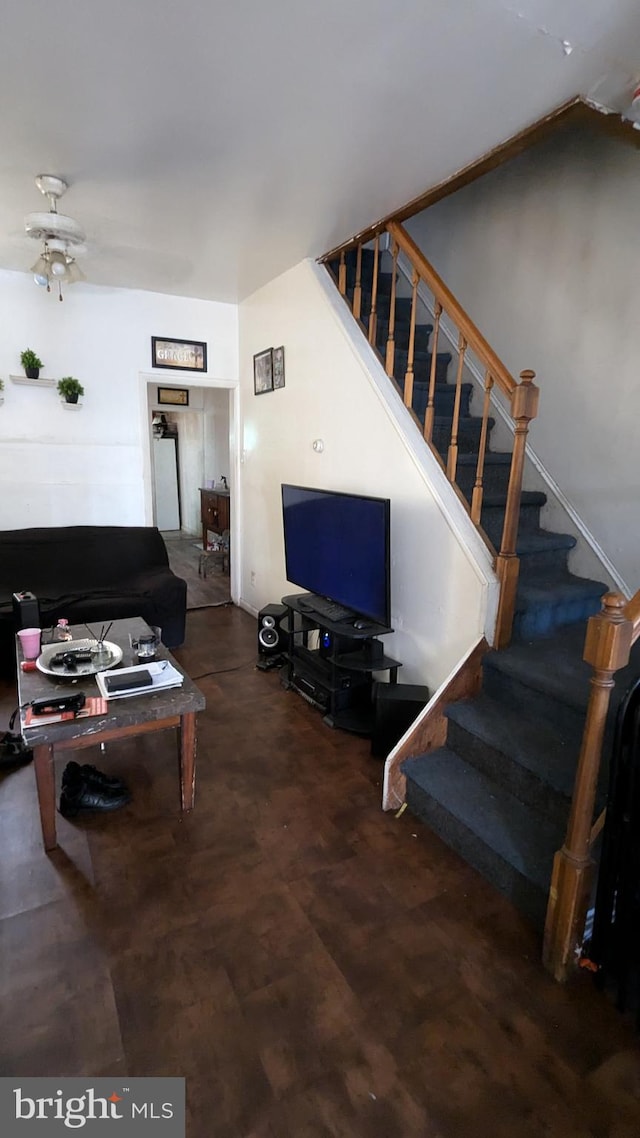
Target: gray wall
[{"x": 544, "y": 254}]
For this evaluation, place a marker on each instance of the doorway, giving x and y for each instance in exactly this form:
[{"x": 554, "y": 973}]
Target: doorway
[{"x": 198, "y": 437}]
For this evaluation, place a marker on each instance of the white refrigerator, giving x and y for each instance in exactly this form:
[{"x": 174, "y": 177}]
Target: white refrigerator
[{"x": 165, "y": 472}]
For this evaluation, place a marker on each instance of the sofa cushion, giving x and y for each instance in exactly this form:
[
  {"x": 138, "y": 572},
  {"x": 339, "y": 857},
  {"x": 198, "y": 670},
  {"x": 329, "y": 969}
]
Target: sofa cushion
[{"x": 90, "y": 574}]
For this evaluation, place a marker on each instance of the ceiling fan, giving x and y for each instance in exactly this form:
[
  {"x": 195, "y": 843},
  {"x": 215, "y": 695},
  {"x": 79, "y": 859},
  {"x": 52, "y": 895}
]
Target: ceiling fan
[{"x": 62, "y": 237}]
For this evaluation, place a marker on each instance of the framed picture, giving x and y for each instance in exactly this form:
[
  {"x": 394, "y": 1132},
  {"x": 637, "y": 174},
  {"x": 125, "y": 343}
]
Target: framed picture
[
  {"x": 179, "y": 396},
  {"x": 263, "y": 372},
  {"x": 278, "y": 368},
  {"x": 185, "y": 355}
]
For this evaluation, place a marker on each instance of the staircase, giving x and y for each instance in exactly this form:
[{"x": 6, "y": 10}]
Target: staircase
[{"x": 499, "y": 791}]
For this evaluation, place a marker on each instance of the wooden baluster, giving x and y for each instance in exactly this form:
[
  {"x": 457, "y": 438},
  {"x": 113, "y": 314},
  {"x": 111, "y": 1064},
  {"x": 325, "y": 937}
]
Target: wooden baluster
[
  {"x": 452, "y": 456},
  {"x": 524, "y": 407},
  {"x": 374, "y": 291},
  {"x": 408, "y": 378},
  {"x": 342, "y": 275},
  {"x": 357, "y": 292},
  {"x": 430, "y": 412},
  {"x": 607, "y": 647},
  {"x": 478, "y": 489},
  {"x": 391, "y": 340}
]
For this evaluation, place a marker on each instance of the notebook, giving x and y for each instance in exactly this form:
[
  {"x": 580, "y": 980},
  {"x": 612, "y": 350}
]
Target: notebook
[{"x": 142, "y": 679}]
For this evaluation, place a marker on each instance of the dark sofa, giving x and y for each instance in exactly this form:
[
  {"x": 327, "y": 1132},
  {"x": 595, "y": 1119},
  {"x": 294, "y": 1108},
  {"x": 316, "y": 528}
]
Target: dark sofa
[{"x": 90, "y": 574}]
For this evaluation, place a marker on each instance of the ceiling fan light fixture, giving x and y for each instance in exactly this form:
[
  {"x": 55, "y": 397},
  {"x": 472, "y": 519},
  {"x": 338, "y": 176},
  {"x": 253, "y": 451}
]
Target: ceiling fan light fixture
[
  {"x": 58, "y": 264},
  {"x": 57, "y": 232},
  {"x": 40, "y": 269},
  {"x": 74, "y": 272}
]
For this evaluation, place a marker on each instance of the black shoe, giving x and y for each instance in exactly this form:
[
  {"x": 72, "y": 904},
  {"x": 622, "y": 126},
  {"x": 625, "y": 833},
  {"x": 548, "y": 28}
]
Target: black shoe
[
  {"x": 13, "y": 752},
  {"x": 84, "y": 796},
  {"x": 74, "y": 774}
]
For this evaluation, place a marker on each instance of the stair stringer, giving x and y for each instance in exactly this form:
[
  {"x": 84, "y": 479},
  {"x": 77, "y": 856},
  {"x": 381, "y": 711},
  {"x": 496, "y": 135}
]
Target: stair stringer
[
  {"x": 429, "y": 729},
  {"x": 455, "y": 513},
  {"x": 588, "y": 559}
]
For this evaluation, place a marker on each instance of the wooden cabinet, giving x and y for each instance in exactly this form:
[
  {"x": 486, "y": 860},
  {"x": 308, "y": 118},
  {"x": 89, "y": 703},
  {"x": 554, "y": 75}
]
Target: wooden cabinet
[{"x": 215, "y": 512}]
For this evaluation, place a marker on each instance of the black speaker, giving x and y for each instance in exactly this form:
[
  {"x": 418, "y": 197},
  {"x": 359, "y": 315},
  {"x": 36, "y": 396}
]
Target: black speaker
[
  {"x": 26, "y": 610},
  {"x": 395, "y": 708},
  {"x": 273, "y": 636}
]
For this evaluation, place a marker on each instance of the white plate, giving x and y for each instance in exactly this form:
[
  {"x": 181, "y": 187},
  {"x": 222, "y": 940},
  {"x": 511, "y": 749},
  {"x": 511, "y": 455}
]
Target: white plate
[{"x": 89, "y": 669}]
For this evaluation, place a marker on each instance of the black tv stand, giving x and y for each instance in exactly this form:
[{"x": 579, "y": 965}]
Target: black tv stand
[{"x": 331, "y": 663}]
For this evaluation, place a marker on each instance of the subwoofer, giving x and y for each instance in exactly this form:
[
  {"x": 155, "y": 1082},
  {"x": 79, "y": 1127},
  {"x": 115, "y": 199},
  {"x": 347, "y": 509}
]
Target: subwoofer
[
  {"x": 273, "y": 636},
  {"x": 395, "y": 707}
]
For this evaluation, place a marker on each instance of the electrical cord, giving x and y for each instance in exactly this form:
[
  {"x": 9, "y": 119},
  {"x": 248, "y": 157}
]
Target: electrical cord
[{"x": 221, "y": 671}]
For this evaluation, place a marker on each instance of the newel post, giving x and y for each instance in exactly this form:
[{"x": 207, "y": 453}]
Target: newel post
[
  {"x": 606, "y": 648},
  {"x": 524, "y": 408}
]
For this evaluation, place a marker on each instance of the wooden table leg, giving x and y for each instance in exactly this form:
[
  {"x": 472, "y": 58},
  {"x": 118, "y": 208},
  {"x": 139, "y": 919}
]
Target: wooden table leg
[
  {"x": 187, "y": 759},
  {"x": 46, "y": 787}
]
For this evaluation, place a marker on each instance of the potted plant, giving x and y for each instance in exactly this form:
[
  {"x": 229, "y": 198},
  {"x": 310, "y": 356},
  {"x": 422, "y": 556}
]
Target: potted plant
[
  {"x": 31, "y": 363},
  {"x": 70, "y": 388},
  {"x": 1, "y": 390}
]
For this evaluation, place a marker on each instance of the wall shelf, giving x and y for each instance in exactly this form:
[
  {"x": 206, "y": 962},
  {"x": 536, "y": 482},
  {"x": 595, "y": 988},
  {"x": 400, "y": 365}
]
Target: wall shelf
[
  {"x": 32, "y": 382},
  {"x": 71, "y": 406}
]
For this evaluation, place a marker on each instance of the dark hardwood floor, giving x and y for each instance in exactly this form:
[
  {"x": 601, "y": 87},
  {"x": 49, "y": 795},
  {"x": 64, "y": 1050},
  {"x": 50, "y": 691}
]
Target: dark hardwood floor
[{"x": 314, "y": 967}]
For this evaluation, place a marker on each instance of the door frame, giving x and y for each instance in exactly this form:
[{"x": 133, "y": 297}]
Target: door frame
[{"x": 148, "y": 380}]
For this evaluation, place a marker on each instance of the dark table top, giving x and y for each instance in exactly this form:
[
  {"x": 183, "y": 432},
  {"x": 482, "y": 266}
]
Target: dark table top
[{"x": 123, "y": 712}]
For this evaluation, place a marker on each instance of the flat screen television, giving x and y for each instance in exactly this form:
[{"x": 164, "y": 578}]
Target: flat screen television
[{"x": 337, "y": 546}]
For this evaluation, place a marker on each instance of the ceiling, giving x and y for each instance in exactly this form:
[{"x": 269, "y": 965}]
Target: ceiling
[{"x": 209, "y": 146}]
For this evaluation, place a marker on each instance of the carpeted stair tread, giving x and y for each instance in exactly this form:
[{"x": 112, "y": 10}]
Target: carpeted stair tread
[
  {"x": 443, "y": 398},
  {"x": 470, "y": 422},
  {"x": 492, "y": 458},
  {"x": 557, "y": 586},
  {"x": 543, "y": 541},
  {"x": 421, "y": 359},
  {"x": 551, "y": 598},
  {"x": 508, "y": 829},
  {"x": 401, "y": 324},
  {"x": 493, "y": 513},
  {"x": 422, "y": 336},
  {"x": 527, "y": 498},
  {"x": 552, "y": 665},
  {"x": 545, "y": 752}
]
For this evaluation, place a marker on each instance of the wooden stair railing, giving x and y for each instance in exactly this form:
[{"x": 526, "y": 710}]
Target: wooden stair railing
[
  {"x": 523, "y": 397},
  {"x": 610, "y": 636}
]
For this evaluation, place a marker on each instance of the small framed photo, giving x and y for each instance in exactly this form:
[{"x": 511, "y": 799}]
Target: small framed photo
[
  {"x": 185, "y": 355},
  {"x": 178, "y": 396},
  {"x": 278, "y": 368},
  {"x": 263, "y": 372}
]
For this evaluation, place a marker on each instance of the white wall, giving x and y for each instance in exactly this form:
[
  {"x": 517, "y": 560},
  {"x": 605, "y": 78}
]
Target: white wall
[
  {"x": 216, "y": 452},
  {"x": 191, "y": 464},
  {"x": 62, "y": 467},
  {"x": 544, "y": 253},
  {"x": 336, "y": 391}
]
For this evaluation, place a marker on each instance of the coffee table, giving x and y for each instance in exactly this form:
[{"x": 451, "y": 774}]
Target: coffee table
[{"x": 125, "y": 717}]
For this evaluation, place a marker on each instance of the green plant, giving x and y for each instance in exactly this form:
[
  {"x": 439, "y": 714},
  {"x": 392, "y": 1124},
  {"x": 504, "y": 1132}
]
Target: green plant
[
  {"x": 29, "y": 359},
  {"x": 1, "y": 384},
  {"x": 68, "y": 385}
]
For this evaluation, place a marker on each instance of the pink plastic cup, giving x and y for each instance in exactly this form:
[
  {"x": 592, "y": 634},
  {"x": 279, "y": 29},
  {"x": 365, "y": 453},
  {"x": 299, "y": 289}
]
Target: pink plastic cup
[{"x": 30, "y": 641}]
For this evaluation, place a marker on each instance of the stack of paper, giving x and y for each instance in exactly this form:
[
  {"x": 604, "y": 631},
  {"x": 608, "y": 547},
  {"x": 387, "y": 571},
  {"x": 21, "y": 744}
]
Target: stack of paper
[{"x": 162, "y": 672}]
